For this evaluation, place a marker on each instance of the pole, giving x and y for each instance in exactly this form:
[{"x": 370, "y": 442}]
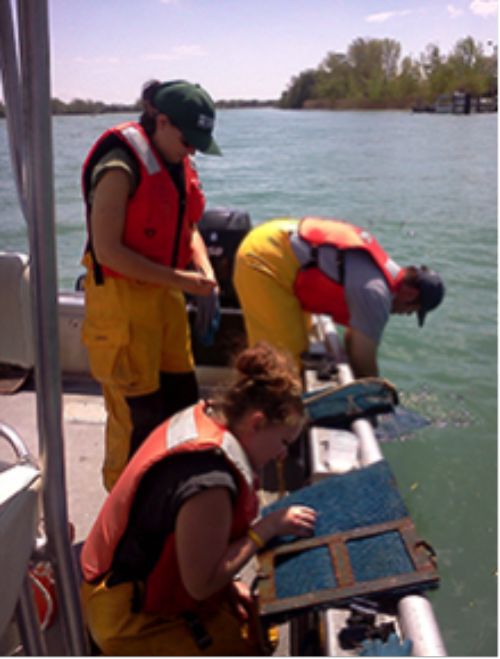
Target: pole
[{"x": 39, "y": 193}]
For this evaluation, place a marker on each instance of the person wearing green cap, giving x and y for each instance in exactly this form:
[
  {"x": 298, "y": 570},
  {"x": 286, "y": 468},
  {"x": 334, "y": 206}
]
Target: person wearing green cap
[{"x": 143, "y": 200}]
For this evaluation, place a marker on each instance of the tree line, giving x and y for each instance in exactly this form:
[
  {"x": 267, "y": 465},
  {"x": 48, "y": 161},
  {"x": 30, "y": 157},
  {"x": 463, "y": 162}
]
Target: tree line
[
  {"x": 80, "y": 106},
  {"x": 372, "y": 74}
]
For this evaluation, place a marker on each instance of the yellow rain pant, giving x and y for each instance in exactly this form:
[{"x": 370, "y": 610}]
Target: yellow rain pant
[
  {"x": 264, "y": 274},
  {"x": 133, "y": 332},
  {"x": 119, "y": 632}
]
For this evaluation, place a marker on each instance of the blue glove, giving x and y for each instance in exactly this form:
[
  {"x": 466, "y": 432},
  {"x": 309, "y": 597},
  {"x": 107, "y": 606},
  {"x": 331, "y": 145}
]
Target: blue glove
[
  {"x": 391, "y": 648},
  {"x": 207, "y": 317}
]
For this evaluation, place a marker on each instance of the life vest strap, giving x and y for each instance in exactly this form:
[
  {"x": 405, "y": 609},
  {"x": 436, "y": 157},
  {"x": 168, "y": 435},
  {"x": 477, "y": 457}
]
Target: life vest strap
[{"x": 308, "y": 256}]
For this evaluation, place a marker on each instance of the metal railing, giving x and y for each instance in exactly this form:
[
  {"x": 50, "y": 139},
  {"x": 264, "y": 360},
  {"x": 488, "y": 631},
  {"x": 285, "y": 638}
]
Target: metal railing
[
  {"x": 415, "y": 613},
  {"x": 26, "y": 81}
]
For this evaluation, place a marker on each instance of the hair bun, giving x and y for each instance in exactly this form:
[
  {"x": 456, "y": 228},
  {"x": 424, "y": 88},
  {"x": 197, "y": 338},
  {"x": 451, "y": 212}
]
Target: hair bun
[
  {"x": 267, "y": 379},
  {"x": 257, "y": 362}
]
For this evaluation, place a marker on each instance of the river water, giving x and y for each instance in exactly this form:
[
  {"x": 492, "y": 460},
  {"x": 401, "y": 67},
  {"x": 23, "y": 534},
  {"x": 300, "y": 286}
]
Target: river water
[{"x": 426, "y": 186}]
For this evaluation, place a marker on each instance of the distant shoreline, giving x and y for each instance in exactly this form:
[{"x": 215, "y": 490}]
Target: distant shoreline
[
  {"x": 223, "y": 105},
  {"x": 80, "y": 107},
  {"x": 91, "y": 108}
]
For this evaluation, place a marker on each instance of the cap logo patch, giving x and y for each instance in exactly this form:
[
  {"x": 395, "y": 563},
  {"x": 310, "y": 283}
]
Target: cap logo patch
[
  {"x": 205, "y": 122},
  {"x": 365, "y": 236}
]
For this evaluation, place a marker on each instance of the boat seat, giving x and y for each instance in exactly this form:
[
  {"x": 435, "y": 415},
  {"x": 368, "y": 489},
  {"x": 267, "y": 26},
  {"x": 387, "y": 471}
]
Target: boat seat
[
  {"x": 20, "y": 483},
  {"x": 16, "y": 331},
  {"x": 17, "y": 356},
  {"x": 19, "y": 487}
]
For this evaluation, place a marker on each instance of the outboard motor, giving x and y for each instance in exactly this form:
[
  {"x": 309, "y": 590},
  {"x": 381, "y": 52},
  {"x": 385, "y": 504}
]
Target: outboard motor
[{"x": 223, "y": 229}]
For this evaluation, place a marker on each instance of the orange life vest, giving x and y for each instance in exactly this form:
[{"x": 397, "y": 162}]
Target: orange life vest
[
  {"x": 155, "y": 226},
  {"x": 189, "y": 430},
  {"x": 316, "y": 290}
]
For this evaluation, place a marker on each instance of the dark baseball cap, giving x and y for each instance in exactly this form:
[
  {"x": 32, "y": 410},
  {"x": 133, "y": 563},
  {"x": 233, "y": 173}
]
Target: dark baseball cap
[
  {"x": 431, "y": 292},
  {"x": 191, "y": 110}
]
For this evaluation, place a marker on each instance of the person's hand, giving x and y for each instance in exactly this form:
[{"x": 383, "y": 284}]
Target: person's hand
[
  {"x": 393, "y": 647},
  {"x": 195, "y": 283},
  {"x": 245, "y": 607},
  {"x": 207, "y": 320},
  {"x": 241, "y": 599},
  {"x": 294, "y": 520}
]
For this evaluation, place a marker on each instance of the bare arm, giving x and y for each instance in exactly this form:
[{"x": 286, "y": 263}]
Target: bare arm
[
  {"x": 201, "y": 259},
  {"x": 109, "y": 209},
  {"x": 207, "y": 560},
  {"x": 362, "y": 353}
]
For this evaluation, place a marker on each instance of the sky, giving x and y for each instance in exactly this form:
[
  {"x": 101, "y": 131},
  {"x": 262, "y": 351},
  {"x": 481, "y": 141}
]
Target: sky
[{"x": 237, "y": 49}]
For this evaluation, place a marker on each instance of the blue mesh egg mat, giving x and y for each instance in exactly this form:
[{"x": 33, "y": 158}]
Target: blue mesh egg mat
[{"x": 364, "y": 543}]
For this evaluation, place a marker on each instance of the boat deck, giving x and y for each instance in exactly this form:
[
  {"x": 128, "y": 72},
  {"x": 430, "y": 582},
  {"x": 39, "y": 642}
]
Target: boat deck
[{"x": 83, "y": 431}]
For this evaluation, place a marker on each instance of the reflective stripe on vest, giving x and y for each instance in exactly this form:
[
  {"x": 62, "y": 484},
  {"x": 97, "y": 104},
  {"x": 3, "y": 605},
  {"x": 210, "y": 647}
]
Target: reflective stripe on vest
[
  {"x": 183, "y": 429},
  {"x": 189, "y": 430},
  {"x": 142, "y": 148}
]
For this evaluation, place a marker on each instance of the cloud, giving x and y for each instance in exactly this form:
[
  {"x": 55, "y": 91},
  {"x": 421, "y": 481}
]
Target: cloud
[
  {"x": 484, "y": 8},
  {"x": 168, "y": 2},
  {"x": 453, "y": 11},
  {"x": 385, "y": 16},
  {"x": 176, "y": 53}
]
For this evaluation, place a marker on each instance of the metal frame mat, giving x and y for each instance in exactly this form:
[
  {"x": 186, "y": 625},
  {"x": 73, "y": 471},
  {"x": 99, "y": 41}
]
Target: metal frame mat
[{"x": 365, "y": 545}]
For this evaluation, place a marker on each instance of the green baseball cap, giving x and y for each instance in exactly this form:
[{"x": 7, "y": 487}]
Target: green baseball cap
[{"x": 191, "y": 110}]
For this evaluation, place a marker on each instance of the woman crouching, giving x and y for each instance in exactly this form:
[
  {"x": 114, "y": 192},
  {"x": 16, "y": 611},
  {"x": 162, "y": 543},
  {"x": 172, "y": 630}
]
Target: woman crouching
[{"x": 180, "y": 523}]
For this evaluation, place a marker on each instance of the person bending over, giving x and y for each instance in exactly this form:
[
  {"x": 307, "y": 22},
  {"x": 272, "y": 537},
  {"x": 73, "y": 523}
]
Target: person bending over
[
  {"x": 286, "y": 269},
  {"x": 161, "y": 560}
]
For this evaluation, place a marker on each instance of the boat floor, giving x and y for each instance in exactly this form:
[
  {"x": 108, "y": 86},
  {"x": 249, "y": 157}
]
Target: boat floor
[{"x": 83, "y": 418}]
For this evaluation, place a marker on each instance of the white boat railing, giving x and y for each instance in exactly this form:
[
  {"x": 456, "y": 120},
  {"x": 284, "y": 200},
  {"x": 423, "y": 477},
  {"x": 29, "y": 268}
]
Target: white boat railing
[
  {"x": 26, "y": 82},
  {"x": 415, "y": 613}
]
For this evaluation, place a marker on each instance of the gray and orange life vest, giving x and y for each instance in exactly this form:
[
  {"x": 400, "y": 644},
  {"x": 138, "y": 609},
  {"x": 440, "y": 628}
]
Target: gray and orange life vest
[
  {"x": 155, "y": 226},
  {"x": 189, "y": 430},
  {"x": 316, "y": 290}
]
